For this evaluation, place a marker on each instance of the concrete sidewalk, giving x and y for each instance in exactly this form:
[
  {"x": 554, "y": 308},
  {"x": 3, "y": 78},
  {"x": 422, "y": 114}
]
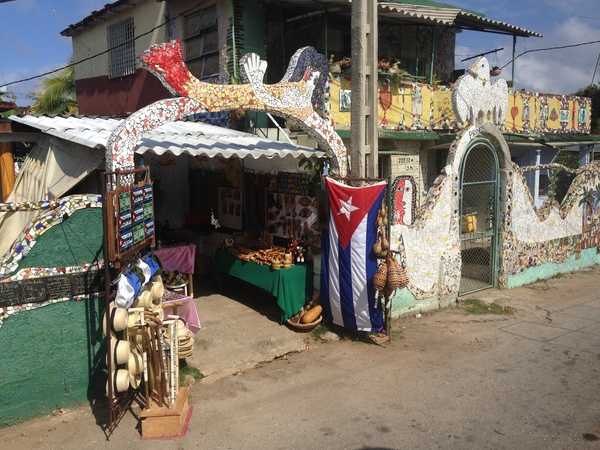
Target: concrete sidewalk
[
  {"x": 452, "y": 380},
  {"x": 240, "y": 330}
]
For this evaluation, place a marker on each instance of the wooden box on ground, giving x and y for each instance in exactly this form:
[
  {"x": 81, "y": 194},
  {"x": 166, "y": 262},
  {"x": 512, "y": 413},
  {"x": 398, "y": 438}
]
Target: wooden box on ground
[{"x": 162, "y": 422}]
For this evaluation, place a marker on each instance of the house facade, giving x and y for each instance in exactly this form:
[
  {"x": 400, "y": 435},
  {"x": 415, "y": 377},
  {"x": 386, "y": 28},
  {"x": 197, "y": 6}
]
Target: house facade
[{"x": 420, "y": 119}]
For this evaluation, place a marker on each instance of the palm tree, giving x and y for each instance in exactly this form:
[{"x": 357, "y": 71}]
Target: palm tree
[{"x": 57, "y": 95}]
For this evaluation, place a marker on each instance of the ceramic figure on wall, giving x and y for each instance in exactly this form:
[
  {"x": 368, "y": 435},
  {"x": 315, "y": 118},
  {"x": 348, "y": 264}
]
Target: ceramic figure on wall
[{"x": 477, "y": 99}]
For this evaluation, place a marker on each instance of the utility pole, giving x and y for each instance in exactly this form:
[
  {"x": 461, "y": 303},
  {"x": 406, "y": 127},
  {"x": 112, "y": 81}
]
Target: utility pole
[{"x": 364, "y": 136}]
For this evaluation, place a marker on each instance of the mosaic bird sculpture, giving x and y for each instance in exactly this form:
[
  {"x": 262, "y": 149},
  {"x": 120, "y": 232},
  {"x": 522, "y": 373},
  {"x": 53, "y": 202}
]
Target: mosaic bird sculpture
[
  {"x": 301, "y": 95},
  {"x": 477, "y": 99}
]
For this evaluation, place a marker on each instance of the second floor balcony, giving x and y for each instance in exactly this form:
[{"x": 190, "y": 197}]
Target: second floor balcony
[{"x": 413, "y": 106}]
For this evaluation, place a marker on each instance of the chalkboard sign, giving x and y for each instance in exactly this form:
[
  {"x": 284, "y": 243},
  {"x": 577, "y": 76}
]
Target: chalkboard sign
[
  {"x": 10, "y": 294},
  {"x": 34, "y": 291},
  {"x": 58, "y": 287},
  {"x": 86, "y": 283},
  {"x": 41, "y": 290}
]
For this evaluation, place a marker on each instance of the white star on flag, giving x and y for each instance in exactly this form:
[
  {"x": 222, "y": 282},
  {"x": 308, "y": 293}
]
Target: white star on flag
[{"x": 347, "y": 208}]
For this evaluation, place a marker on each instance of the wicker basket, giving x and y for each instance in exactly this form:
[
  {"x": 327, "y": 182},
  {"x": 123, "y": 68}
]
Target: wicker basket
[
  {"x": 380, "y": 277},
  {"x": 303, "y": 327},
  {"x": 396, "y": 275}
]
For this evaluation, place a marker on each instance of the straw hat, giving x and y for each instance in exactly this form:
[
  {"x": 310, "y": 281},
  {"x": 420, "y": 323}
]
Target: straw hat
[
  {"x": 120, "y": 352},
  {"x": 144, "y": 300},
  {"x": 135, "y": 364},
  {"x": 118, "y": 319},
  {"x": 158, "y": 289},
  {"x": 135, "y": 380},
  {"x": 120, "y": 381}
]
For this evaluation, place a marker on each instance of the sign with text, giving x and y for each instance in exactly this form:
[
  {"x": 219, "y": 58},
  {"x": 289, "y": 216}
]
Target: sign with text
[{"x": 45, "y": 289}]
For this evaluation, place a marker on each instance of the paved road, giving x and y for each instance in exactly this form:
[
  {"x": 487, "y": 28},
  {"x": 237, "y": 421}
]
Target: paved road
[{"x": 449, "y": 380}]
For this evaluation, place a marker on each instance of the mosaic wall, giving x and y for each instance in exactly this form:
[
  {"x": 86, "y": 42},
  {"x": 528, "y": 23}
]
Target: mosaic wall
[
  {"x": 52, "y": 214},
  {"x": 430, "y": 248},
  {"x": 416, "y": 106}
]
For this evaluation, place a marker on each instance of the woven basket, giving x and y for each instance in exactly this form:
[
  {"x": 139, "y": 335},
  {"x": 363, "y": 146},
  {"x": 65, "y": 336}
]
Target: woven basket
[
  {"x": 396, "y": 275},
  {"x": 304, "y": 327},
  {"x": 380, "y": 277}
]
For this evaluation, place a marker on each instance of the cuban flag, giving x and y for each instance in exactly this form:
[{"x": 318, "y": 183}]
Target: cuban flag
[{"x": 348, "y": 263}]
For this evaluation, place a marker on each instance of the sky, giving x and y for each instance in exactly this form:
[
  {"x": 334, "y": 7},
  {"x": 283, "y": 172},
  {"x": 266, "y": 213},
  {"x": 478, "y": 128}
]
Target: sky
[{"x": 30, "y": 40}]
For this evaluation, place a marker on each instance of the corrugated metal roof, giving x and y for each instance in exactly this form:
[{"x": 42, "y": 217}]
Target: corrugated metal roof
[
  {"x": 429, "y": 11},
  {"x": 194, "y": 138},
  {"x": 445, "y": 14}
]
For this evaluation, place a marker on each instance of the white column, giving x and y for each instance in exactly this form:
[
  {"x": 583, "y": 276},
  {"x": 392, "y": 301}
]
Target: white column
[{"x": 536, "y": 185}]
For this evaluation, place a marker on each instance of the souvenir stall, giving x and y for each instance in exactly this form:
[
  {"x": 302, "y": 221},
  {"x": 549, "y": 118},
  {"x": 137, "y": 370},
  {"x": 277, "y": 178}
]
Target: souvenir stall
[
  {"x": 148, "y": 329},
  {"x": 250, "y": 223},
  {"x": 140, "y": 335},
  {"x": 242, "y": 220}
]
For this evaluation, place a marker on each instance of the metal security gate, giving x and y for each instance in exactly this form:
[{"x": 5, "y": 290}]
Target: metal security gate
[{"x": 479, "y": 191}]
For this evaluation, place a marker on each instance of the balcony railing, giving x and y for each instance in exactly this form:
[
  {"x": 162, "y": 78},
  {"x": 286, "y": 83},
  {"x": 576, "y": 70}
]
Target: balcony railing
[{"x": 423, "y": 107}]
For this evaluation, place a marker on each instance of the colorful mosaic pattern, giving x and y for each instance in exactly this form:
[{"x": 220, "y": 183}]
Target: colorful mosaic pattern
[
  {"x": 415, "y": 106},
  {"x": 124, "y": 139},
  {"x": 430, "y": 248},
  {"x": 302, "y": 89},
  {"x": 28, "y": 238}
]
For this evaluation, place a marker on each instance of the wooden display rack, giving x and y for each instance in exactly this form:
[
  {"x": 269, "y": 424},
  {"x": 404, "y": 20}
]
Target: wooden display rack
[{"x": 161, "y": 422}]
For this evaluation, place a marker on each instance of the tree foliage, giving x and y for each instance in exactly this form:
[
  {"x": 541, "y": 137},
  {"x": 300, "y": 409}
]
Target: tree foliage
[
  {"x": 593, "y": 91},
  {"x": 57, "y": 95}
]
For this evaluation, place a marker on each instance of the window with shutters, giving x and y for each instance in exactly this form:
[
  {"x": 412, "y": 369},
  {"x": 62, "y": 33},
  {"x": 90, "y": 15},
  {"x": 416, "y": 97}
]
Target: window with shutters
[
  {"x": 201, "y": 37},
  {"x": 121, "y": 56}
]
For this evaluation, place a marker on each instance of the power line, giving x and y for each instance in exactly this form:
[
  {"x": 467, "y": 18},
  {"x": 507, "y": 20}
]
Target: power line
[
  {"x": 596, "y": 68},
  {"x": 579, "y": 44},
  {"x": 104, "y": 52}
]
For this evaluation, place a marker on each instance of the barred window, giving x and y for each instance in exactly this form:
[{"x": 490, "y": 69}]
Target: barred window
[
  {"x": 121, "y": 57},
  {"x": 201, "y": 37}
]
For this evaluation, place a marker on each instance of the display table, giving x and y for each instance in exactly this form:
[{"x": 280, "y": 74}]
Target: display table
[
  {"x": 179, "y": 258},
  {"x": 290, "y": 287}
]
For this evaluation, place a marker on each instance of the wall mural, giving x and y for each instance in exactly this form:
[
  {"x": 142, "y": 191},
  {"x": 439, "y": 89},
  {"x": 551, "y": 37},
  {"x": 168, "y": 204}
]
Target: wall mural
[
  {"x": 12, "y": 280},
  {"x": 55, "y": 212},
  {"x": 430, "y": 247},
  {"x": 411, "y": 106},
  {"x": 300, "y": 96}
]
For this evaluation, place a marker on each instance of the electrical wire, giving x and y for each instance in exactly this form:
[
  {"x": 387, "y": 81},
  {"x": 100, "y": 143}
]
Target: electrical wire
[
  {"x": 579, "y": 44},
  {"x": 595, "y": 68},
  {"x": 104, "y": 52}
]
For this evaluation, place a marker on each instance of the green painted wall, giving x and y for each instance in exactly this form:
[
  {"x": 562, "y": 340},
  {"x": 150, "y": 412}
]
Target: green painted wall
[
  {"x": 75, "y": 241},
  {"x": 404, "y": 302},
  {"x": 49, "y": 356},
  {"x": 588, "y": 257}
]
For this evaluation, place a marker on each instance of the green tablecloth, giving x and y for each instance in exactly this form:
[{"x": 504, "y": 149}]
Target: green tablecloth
[{"x": 290, "y": 287}]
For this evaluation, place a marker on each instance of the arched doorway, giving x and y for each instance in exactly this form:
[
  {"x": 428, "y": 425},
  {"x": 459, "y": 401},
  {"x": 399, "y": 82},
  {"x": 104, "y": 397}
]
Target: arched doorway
[{"x": 479, "y": 198}]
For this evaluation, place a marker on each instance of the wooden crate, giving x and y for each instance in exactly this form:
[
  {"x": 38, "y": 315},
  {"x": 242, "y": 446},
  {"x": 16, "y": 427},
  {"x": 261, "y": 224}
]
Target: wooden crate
[{"x": 163, "y": 423}]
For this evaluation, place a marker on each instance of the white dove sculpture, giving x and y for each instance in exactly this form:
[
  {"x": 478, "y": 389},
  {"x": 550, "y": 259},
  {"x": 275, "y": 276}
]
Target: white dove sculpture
[{"x": 477, "y": 100}]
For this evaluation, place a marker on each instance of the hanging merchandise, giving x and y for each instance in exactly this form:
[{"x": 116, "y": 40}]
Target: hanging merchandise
[
  {"x": 143, "y": 347},
  {"x": 128, "y": 288},
  {"x": 347, "y": 290}
]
